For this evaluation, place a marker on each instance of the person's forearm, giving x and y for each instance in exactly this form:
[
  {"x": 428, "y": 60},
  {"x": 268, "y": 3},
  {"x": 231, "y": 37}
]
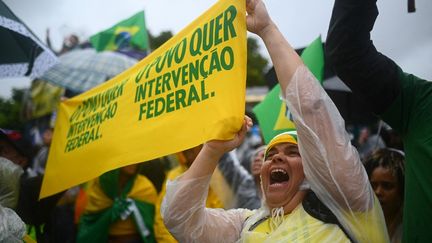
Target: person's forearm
[
  {"x": 284, "y": 57},
  {"x": 353, "y": 56},
  {"x": 204, "y": 164}
]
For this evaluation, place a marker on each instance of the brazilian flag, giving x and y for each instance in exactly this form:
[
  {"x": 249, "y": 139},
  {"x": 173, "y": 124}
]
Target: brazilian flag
[
  {"x": 129, "y": 33},
  {"x": 272, "y": 113}
]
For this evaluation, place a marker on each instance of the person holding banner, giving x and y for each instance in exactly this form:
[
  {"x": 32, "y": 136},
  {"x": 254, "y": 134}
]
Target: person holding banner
[{"x": 314, "y": 185}]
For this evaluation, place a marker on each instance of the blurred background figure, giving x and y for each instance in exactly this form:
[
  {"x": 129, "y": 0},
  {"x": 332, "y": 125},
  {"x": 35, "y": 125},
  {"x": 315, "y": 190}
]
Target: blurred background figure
[
  {"x": 252, "y": 141},
  {"x": 70, "y": 42},
  {"x": 40, "y": 159},
  {"x": 120, "y": 208},
  {"x": 386, "y": 171},
  {"x": 369, "y": 140},
  {"x": 257, "y": 160},
  {"x": 23, "y": 188},
  {"x": 15, "y": 148}
]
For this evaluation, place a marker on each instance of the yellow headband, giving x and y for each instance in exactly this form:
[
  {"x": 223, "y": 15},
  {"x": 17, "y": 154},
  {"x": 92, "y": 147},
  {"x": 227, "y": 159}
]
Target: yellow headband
[{"x": 286, "y": 137}]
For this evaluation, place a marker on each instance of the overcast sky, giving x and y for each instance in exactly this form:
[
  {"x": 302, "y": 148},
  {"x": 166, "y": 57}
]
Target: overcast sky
[{"x": 407, "y": 38}]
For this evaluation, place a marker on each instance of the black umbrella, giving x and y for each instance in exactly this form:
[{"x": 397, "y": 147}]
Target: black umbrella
[{"x": 21, "y": 52}]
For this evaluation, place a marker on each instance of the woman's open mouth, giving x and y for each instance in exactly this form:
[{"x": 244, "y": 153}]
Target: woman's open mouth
[{"x": 278, "y": 176}]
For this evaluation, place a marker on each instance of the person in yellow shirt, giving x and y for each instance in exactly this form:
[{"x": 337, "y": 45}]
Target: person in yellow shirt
[{"x": 121, "y": 208}]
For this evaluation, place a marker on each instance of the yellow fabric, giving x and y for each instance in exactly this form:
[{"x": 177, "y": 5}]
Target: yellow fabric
[
  {"x": 306, "y": 228},
  {"x": 299, "y": 226},
  {"x": 142, "y": 190},
  {"x": 282, "y": 121},
  {"x": 190, "y": 90},
  {"x": 286, "y": 137},
  {"x": 220, "y": 192},
  {"x": 368, "y": 223},
  {"x": 45, "y": 98},
  {"x": 28, "y": 239}
]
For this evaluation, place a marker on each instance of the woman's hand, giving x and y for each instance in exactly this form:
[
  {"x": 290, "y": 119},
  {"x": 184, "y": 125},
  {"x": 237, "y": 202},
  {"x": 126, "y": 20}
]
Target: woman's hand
[
  {"x": 219, "y": 147},
  {"x": 258, "y": 19}
]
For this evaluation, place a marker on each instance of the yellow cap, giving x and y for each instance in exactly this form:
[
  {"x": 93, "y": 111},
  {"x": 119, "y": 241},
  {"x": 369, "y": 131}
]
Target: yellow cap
[{"x": 286, "y": 137}]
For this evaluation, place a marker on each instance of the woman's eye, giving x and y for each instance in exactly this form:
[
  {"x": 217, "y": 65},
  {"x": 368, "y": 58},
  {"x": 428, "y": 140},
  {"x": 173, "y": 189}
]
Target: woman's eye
[
  {"x": 388, "y": 185},
  {"x": 294, "y": 153}
]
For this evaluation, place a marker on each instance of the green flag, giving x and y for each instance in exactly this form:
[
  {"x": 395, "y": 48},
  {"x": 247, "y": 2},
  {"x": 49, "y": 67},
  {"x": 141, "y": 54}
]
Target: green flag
[
  {"x": 272, "y": 114},
  {"x": 313, "y": 58},
  {"x": 129, "y": 33}
]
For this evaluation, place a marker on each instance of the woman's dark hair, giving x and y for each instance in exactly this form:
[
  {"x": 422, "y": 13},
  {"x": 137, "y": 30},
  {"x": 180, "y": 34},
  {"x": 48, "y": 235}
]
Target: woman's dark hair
[{"x": 390, "y": 158}]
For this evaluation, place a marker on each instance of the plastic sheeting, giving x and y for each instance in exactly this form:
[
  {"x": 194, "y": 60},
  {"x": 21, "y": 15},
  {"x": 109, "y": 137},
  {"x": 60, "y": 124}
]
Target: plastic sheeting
[
  {"x": 10, "y": 175},
  {"x": 332, "y": 168},
  {"x": 12, "y": 228}
]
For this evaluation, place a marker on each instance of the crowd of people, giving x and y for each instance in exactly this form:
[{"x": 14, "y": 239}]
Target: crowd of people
[{"x": 311, "y": 184}]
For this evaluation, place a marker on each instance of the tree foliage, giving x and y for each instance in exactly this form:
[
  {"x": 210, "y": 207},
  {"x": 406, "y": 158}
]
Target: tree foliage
[
  {"x": 10, "y": 110},
  {"x": 156, "y": 41},
  {"x": 256, "y": 64}
]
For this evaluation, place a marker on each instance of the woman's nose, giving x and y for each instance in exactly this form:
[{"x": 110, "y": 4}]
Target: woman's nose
[
  {"x": 378, "y": 191},
  {"x": 278, "y": 157}
]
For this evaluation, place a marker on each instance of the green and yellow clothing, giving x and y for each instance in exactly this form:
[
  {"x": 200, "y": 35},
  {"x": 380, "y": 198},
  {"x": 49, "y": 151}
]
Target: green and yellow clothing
[{"x": 105, "y": 206}]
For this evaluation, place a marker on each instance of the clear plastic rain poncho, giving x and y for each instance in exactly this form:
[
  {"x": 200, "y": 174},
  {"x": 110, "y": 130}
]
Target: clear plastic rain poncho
[
  {"x": 10, "y": 175},
  {"x": 12, "y": 228},
  {"x": 332, "y": 168}
]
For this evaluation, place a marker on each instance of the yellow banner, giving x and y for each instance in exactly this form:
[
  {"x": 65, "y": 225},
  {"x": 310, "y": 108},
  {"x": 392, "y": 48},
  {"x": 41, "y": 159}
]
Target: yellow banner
[{"x": 190, "y": 90}]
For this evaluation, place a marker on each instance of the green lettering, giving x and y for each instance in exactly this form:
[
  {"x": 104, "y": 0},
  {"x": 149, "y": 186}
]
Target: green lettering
[
  {"x": 208, "y": 35},
  {"x": 229, "y": 16},
  {"x": 160, "y": 64},
  {"x": 193, "y": 95},
  {"x": 98, "y": 135},
  {"x": 150, "y": 83},
  {"x": 203, "y": 72},
  {"x": 176, "y": 76},
  {"x": 184, "y": 74},
  {"x": 218, "y": 27},
  {"x": 158, "y": 85},
  {"x": 139, "y": 75},
  {"x": 142, "y": 110},
  {"x": 227, "y": 61},
  {"x": 204, "y": 95},
  {"x": 150, "y": 109},
  {"x": 170, "y": 102},
  {"x": 194, "y": 71},
  {"x": 71, "y": 130},
  {"x": 88, "y": 136},
  {"x": 180, "y": 96},
  {"x": 214, "y": 62},
  {"x": 159, "y": 106},
  {"x": 170, "y": 54},
  {"x": 140, "y": 92},
  {"x": 166, "y": 79},
  {"x": 182, "y": 47},
  {"x": 195, "y": 44}
]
